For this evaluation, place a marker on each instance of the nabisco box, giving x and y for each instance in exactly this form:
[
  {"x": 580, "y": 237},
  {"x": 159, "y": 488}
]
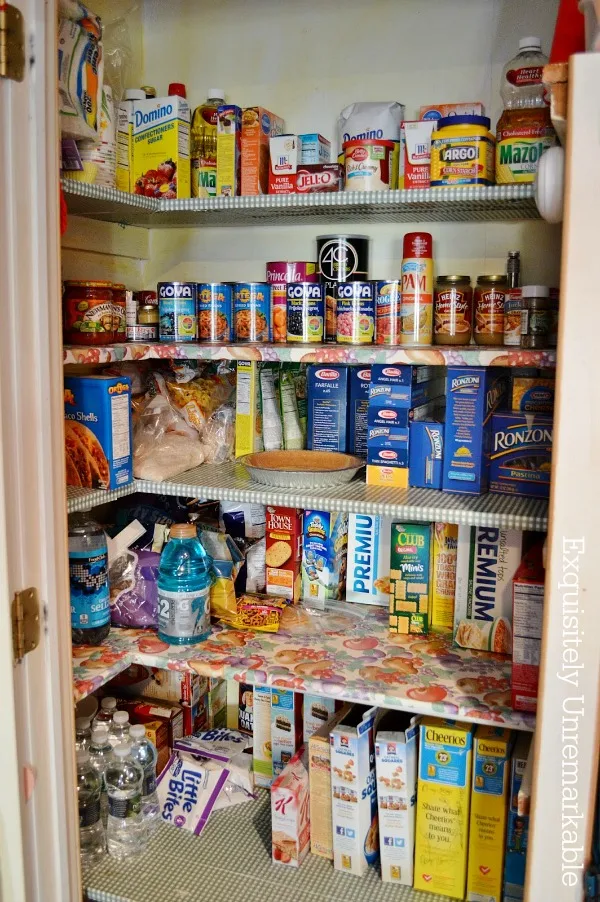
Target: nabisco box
[
  {"x": 284, "y": 552},
  {"x": 368, "y": 565}
]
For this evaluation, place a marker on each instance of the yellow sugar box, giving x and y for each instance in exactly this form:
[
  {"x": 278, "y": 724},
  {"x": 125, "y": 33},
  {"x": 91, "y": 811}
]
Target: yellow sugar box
[{"x": 161, "y": 147}]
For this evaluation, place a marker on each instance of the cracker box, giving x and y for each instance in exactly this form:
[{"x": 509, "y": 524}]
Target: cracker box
[
  {"x": 521, "y": 454},
  {"x": 528, "y": 615},
  {"x": 258, "y": 126},
  {"x": 415, "y": 148},
  {"x": 319, "y": 764},
  {"x": 248, "y": 408},
  {"x": 472, "y": 396},
  {"x": 284, "y": 552},
  {"x": 354, "y": 792},
  {"x": 489, "y": 801},
  {"x": 444, "y": 110},
  {"x": 358, "y": 406},
  {"x": 286, "y": 726},
  {"x": 324, "y": 555},
  {"x": 317, "y": 711},
  {"x": 161, "y": 147},
  {"x": 262, "y": 751},
  {"x": 369, "y": 543},
  {"x": 98, "y": 443},
  {"x": 486, "y": 562},
  {"x": 410, "y": 578},
  {"x": 532, "y": 395},
  {"x": 327, "y": 388},
  {"x": 314, "y": 148},
  {"x": 396, "y": 767},
  {"x": 229, "y": 143},
  {"x": 518, "y": 824},
  {"x": 290, "y": 813},
  {"x": 426, "y": 454},
  {"x": 444, "y": 795},
  {"x": 443, "y": 577}
]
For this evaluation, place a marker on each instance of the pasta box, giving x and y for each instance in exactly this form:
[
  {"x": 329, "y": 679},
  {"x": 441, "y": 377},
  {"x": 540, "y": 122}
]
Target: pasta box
[
  {"x": 284, "y": 552},
  {"x": 532, "y": 394},
  {"x": 426, "y": 454},
  {"x": 410, "y": 578},
  {"x": 290, "y": 813},
  {"x": 368, "y": 576},
  {"x": 521, "y": 454},
  {"x": 358, "y": 407},
  {"x": 385, "y": 411},
  {"x": 327, "y": 389},
  {"x": 286, "y": 726},
  {"x": 405, "y": 386}
]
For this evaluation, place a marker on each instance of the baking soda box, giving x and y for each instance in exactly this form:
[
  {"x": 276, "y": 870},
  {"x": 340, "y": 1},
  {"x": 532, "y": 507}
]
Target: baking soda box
[
  {"x": 368, "y": 574},
  {"x": 444, "y": 794}
]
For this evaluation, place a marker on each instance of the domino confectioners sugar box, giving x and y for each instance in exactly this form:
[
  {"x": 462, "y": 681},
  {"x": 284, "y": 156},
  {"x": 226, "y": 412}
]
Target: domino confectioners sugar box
[
  {"x": 368, "y": 569},
  {"x": 528, "y": 613},
  {"x": 521, "y": 454},
  {"x": 518, "y": 824}
]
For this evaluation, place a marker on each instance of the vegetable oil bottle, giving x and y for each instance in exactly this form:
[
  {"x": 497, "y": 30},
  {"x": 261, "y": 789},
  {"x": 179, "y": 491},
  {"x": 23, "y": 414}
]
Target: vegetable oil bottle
[{"x": 204, "y": 145}]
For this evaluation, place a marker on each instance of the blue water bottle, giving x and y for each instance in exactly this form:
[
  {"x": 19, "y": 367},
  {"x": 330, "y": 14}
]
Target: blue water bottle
[{"x": 184, "y": 581}]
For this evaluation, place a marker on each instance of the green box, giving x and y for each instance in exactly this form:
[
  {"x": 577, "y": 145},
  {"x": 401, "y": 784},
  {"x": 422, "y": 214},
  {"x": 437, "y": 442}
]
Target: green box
[{"x": 410, "y": 578}]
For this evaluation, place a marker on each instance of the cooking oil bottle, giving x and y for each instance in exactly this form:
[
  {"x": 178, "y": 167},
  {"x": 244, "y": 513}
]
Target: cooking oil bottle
[{"x": 204, "y": 145}]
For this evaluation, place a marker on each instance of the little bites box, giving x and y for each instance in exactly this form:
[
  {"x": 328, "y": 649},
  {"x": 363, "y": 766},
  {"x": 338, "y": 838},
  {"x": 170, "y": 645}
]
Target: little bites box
[
  {"x": 319, "y": 769},
  {"x": 284, "y": 552},
  {"x": 290, "y": 813},
  {"x": 161, "y": 147},
  {"x": 368, "y": 575},
  {"x": 258, "y": 127},
  {"x": 444, "y": 794}
]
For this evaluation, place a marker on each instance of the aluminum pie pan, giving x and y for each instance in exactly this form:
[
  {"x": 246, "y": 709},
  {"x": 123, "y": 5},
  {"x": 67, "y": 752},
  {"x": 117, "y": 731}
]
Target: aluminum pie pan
[{"x": 301, "y": 469}]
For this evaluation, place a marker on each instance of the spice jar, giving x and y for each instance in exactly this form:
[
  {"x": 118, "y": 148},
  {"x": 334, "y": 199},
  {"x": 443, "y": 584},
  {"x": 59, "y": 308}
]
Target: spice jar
[
  {"x": 490, "y": 296},
  {"x": 88, "y": 313},
  {"x": 119, "y": 311},
  {"x": 452, "y": 310},
  {"x": 536, "y": 317}
]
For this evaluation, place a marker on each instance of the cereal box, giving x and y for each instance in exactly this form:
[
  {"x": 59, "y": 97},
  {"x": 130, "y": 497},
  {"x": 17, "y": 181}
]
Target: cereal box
[
  {"x": 444, "y": 794},
  {"x": 327, "y": 388},
  {"x": 443, "y": 577},
  {"x": 487, "y": 560},
  {"x": 258, "y": 126},
  {"x": 521, "y": 454},
  {"x": 216, "y": 703},
  {"x": 324, "y": 555},
  {"x": 161, "y": 147},
  {"x": 98, "y": 431},
  {"x": 369, "y": 542},
  {"x": 319, "y": 763},
  {"x": 286, "y": 726},
  {"x": 426, "y": 454},
  {"x": 248, "y": 408},
  {"x": 489, "y": 800},
  {"x": 262, "y": 750},
  {"x": 314, "y": 148},
  {"x": 518, "y": 824},
  {"x": 317, "y": 712},
  {"x": 284, "y": 552},
  {"x": 532, "y": 395},
  {"x": 229, "y": 143},
  {"x": 444, "y": 110},
  {"x": 528, "y": 615},
  {"x": 410, "y": 576},
  {"x": 240, "y": 706},
  {"x": 290, "y": 813},
  {"x": 415, "y": 148},
  {"x": 358, "y": 406},
  {"x": 353, "y": 792},
  {"x": 396, "y": 767}
]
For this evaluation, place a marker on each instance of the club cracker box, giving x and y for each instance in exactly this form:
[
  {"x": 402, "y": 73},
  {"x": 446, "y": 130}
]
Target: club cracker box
[
  {"x": 521, "y": 454},
  {"x": 518, "y": 824},
  {"x": 486, "y": 562},
  {"x": 258, "y": 127},
  {"x": 444, "y": 794},
  {"x": 410, "y": 578},
  {"x": 354, "y": 792},
  {"x": 528, "y": 615},
  {"x": 396, "y": 768},
  {"x": 98, "y": 445},
  {"x": 327, "y": 388},
  {"x": 324, "y": 555},
  {"x": 290, "y": 812},
  {"x": 286, "y": 727},
  {"x": 426, "y": 454},
  {"x": 161, "y": 147},
  {"x": 319, "y": 769},
  {"x": 262, "y": 750},
  {"x": 369, "y": 544},
  {"x": 317, "y": 712},
  {"x": 284, "y": 552},
  {"x": 489, "y": 804},
  {"x": 532, "y": 394},
  {"x": 443, "y": 577},
  {"x": 473, "y": 394},
  {"x": 229, "y": 144}
]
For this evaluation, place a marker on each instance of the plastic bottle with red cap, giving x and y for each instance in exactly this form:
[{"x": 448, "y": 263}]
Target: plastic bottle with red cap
[
  {"x": 177, "y": 89},
  {"x": 416, "y": 313}
]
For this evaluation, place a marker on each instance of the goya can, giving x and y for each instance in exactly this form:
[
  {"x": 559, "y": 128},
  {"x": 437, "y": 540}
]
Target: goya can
[
  {"x": 388, "y": 324},
  {"x": 215, "y": 311},
  {"x": 177, "y": 311},
  {"x": 355, "y": 313},
  {"x": 341, "y": 258},
  {"x": 252, "y": 311},
  {"x": 305, "y": 311},
  {"x": 279, "y": 273}
]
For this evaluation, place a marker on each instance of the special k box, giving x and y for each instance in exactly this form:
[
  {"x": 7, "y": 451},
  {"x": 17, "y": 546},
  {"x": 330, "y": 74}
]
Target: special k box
[
  {"x": 258, "y": 126},
  {"x": 444, "y": 794},
  {"x": 286, "y": 727},
  {"x": 284, "y": 552},
  {"x": 290, "y": 813}
]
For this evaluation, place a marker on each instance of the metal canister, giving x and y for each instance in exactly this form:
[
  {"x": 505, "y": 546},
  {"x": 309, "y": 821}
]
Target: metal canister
[
  {"x": 305, "y": 311},
  {"x": 252, "y": 311},
  {"x": 177, "y": 311},
  {"x": 215, "y": 311},
  {"x": 355, "y": 312},
  {"x": 340, "y": 258},
  {"x": 388, "y": 301}
]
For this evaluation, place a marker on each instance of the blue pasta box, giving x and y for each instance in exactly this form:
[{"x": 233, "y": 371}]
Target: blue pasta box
[
  {"x": 521, "y": 454},
  {"x": 473, "y": 394},
  {"x": 426, "y": 454},
  {"x": 387, "y": 456},
  {"x": 385, "y": 412},
  {"x": 358, "y": 405},
  {"x": 98, "y": 431},
  {"x": 405, "y": 386},
  {"x": 327, "y": 390}
]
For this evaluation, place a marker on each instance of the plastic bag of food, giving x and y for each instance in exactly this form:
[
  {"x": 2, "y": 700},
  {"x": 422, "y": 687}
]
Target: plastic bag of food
[
  {"x": 227, "y": 561},
  {"x": 199, "y": 390},
  {"x": 243, "y": 521},
  {"x": 133, "y": 589},
  {"x": 218, "y": 437},
  {"x": 164, "y": 445},
  {"x": 378, "y": 119},
  {"x": 271, "y": 412},
  {"x": 80, "y": 71}
]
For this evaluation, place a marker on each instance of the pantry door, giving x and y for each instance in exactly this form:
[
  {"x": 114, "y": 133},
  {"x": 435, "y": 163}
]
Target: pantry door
[{"x": 38, "y": 814}]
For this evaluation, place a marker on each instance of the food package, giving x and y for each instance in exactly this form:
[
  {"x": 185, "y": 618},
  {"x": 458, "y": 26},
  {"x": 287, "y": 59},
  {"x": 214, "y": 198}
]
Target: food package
[
  {"x": 380, "y": 120},
  {"x": 197, "y": 391},
  {"x": 244, "y": 521},
  {"x": 164, "y": 445},
  {"x": 227, "y": 560},
  {"x": 229, "y": 748},
  {"x": 80, "y": 71},
  {"x": 188, "y": 789},
  {"x": 133, "y": 589}
]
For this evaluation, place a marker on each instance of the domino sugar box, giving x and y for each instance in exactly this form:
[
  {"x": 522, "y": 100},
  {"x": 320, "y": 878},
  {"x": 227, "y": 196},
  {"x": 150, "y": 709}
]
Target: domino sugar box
[{"x": 521, "y": 454}]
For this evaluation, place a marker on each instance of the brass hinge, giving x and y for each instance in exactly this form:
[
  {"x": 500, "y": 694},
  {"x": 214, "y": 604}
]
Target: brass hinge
[
  {"x": 12, "y": 43},
  {"x": 25, "y": 622}
]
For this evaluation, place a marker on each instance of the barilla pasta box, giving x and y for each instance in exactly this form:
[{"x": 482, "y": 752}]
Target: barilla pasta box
[
  {"x": 358, "y": 406},
  {"x": 528, "y": 616},
  {"x": 415, "y": 151},
  {"x": 405, "y": 386},
  {"x": 286, "y": 727},
  {"x": 229, "y": 144},
  {"x": 316, "y": 712},
  {"x": 396, "y": 768},
  {"x": 354, "y": 792},
  {"x": 324, "y": 555},
  {"x": 258, "y": 127},
  {"x": 444, "y": 795},
  {"x": 290, "y": 813},
  {"x": 486, "y": 562},
  {"x": 384, "y": 411},
  {"x": 518, "y": 824},
  {"x": 262, "y": 750},
  {"x": 410, "y": 578},
  {"x": 426, "y": 454},
  {"x": 319, "y": 769},
  {"x": 532, "y": 395},
  {"x": 473, "y": 394},
  {"x": 327, "y": 389},
  {"x": 521, "y": 454},
  {"x": 284, "y": 552},
  {"x": 98, "y": 445},
  {"x": 161, "y": 147},
  {"x": 368, "y": 574},
  {"x": 443, "y": 576}
]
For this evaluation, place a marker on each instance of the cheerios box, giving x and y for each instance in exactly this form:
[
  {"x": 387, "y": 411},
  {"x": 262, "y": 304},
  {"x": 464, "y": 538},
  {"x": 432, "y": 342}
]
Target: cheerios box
[
  {"x": 354, "y": 792},
  {"x": 368, "y": 576}
]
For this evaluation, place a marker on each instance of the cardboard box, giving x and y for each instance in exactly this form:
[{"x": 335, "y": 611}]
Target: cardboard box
[
  {"x": 258, "y": 127},
  {"x": 388, "y": 475},
  {"x": 166, "y": 714},
  {"x": 248, "y": 408},
  {"x": 216, "y": 703},
  {"x": 532, "y": 395},
  {"x": 369, "y": 543},
  {"x": 319, "y": 764},
  {"x": 124, "y": 172},
  {"x": 472, "y": 396},
  {"x": 443, "y": 110},
  {"x": 388, "y": 445},
  {"x": 180, "y": 686},
  {"x": 284, "y": 552},
  {"x": 426, "y": 454},
  {"x": 324, "y": 554},
  {"x": 229, "y": 145},
  {"x": 284, "y": 151},
  {"x": 487, "y": 560},
  {"x": 353, "y": 792},
  {"x": 319, "y": 178},
  {"x": 161, "y": 144},
  {"x": 262, "y": 750},
  {"x": 410, "y": 578},
  {"x": 290, "y": 813},
  {"x": 405, "y": 386},
  {"x": 316, "y": 713},
  {"x": 521, "y": 455},
  {"x": 157, "y": 732},
  {"x": 396, "y": 768},
  {"x": 443, "y": 576},
  {"x": 415, "y": 148},
  {"x": 286, "y": 726},
  {"x": 518, "y": 824},
  {"x": 444, "y": 795},
  {"x": 314, "y": 148},
  {"x": 240, "y": 706},
  {"x": 385, "y": 410},
  {"x": 528, "y": 615},
  {"x": 327, "y": 388},
  {"x": 358, "y": 407},
  {"x": 98, "y": 444}
]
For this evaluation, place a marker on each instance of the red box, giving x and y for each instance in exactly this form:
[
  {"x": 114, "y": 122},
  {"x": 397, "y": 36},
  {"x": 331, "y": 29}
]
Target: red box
[
  {"x": 284, "y": 552},
  {"x": 319, "y": 178},
  {"x": 145, "y": 710},
  {"x": 528, "y": 610}
]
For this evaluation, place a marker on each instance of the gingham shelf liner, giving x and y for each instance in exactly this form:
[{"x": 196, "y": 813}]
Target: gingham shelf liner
[
  {"x": 86, "y": 499},
  {"x": 231, "y": 862}
]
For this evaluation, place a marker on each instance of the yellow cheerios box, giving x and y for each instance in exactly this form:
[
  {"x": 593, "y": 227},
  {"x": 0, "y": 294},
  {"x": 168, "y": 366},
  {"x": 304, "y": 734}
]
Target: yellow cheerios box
[
  {"x": 489, "y": 806},
  {"x": 443, "y": 798}
]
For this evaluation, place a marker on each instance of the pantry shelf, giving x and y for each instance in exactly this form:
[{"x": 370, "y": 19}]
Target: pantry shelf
[
  {"x": 85, "y": 499},
  {"x": 470, "y": 203}
]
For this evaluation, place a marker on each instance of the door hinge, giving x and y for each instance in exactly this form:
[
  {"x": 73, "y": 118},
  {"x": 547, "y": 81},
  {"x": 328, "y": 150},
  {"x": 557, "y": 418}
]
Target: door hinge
[
  {"x": 25, "y": 622},
  {"x": 12, "y": 43}
]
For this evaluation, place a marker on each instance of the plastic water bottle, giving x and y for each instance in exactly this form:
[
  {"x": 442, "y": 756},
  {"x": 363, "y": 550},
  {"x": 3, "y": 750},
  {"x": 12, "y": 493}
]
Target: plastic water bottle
[
  {"x": 108, "y": 706},
  {"x": 88, "y": 575},
  {"x": 120, "y": 728},
  {"x": 521, "y": 84},
  {"x": 125, "y": 829},
  {"x": 143, "y": 751},
  {"x": 83, "y": 733},
  {"x": 91, "y": 832},
  {"x": 184, "y": 580},
  {"x": 101, "y": 754}
]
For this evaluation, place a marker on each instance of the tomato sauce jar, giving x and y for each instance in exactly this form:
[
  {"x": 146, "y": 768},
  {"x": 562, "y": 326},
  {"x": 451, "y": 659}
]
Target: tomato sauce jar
[
  {"x": 88, "y": 313},
  {"x": 119, "y": 311}
]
